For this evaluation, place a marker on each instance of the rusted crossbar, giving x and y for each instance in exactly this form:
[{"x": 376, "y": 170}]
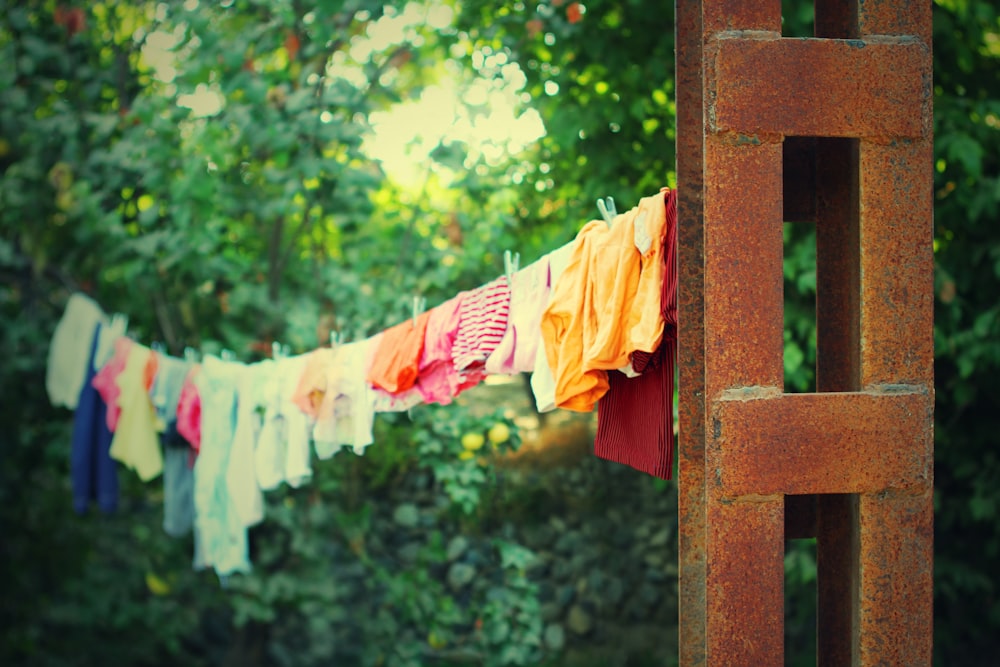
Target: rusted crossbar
[{"x": 834, "y": 130}]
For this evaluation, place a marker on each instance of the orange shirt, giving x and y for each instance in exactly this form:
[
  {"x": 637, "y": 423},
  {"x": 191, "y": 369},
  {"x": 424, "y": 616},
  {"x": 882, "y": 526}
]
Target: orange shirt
[
  {"x": 606, "y": 304},
  {"x": 396, "y": 363}
]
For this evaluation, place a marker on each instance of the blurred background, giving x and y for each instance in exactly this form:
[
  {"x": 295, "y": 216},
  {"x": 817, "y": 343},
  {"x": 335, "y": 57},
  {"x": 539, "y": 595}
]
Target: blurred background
[{"x": 238, "y": 172}]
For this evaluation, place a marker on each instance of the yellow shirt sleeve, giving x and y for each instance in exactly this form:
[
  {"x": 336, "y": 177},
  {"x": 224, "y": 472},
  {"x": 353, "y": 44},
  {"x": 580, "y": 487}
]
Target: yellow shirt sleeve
[
  {"x": 606, "y": 304},
  {"x": 135, "y": 443}
]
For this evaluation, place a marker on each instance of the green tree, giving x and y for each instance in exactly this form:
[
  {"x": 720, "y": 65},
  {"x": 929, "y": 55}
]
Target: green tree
[
  {"x": 199, "y": 167},
  {"x": 967, "y": 253}
]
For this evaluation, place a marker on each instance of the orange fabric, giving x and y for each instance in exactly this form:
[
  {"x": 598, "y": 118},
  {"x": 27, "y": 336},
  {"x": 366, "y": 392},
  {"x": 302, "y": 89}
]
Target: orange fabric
[
  {"x": 396, "y": 363},
  {"x": 606, "y": 304},
  {"x": 312, "y": 385},
  {"x": 149, "y": 370}
]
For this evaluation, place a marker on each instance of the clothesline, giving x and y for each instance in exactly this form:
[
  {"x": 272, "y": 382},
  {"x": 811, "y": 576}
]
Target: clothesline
[{"x": 594, "y": 322}]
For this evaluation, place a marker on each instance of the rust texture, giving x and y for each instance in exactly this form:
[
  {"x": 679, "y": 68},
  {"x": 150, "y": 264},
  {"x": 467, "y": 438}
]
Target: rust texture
[
  {"x": 746, "y": 567},
  {"x": 691, "y": 334},
  {"x": 818, "y": 87},
  {"x": 849, "y": 112},
  {"x": 820, "y": 443}
]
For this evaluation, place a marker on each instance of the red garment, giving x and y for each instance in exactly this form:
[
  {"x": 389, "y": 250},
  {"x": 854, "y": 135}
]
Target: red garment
[
  {"x": 635, "y": 417},
  {"x": 439, "y": 380},
  {"x": 106, "y": 380},
  {"x": 189, "y": 412}
]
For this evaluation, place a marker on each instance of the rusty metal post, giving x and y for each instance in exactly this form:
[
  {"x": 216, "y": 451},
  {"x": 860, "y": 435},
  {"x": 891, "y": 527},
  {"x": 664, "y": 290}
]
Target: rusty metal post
[{"x": 850, "y": 112}]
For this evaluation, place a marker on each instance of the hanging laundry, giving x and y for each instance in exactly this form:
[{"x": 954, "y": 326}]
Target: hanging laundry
[
  {"x": 94, "y": 474},
  {"x": 282, "y": 452},
  {"x": 106, "y": 379},
  {"x": 178, "y": 478},
  {"x": 178, "y": 492},
  {"x": 346, "y": 412},
  {"x": 189, "y": 412},
  {"x": 529, "y": 296},
  {"x": 312, "y": 386},
  {"x": 543, "y": 384},
  {"x": 606, "y": 304},
  {"x": 635, "y": 417},
  {"x": 383, "y": 401},
  {"x": 439, "y": 381},
  {"x": 135, "y": 442},
  {"x": 220, "y": 535},
  {"x": 594, "y": 320},
  {"x": 70, "y": 350},
  {"x": 395, "y": 364},
  {"x": 241, "y": 472},
  {"x": 482, "y": 321}
]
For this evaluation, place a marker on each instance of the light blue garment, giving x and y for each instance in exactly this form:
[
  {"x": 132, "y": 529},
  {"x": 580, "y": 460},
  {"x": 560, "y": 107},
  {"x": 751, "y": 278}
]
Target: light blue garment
[
  {"x": 220, "y": 535},
  {"x": 178, "y": 478},
  {"x": 166, "y": 391},
  {"x": 178, "y": 491}
]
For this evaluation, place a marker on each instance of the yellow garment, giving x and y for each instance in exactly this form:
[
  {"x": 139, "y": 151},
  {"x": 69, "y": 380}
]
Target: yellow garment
[
  {"x": 312, "y": 388},
  {"x": 135, "y": 443},
  {"x": 606, "y": 304}
]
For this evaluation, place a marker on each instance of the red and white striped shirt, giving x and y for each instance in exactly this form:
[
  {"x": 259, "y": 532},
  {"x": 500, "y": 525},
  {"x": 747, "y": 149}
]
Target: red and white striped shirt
[{"x": 481, "y": 325}]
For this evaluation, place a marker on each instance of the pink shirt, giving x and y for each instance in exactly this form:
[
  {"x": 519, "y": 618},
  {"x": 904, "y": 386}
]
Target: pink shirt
[
  {"x": 439, "y": 380},
  {"x": 189, "y": 411},
  {"x": 106, "y": 380}
]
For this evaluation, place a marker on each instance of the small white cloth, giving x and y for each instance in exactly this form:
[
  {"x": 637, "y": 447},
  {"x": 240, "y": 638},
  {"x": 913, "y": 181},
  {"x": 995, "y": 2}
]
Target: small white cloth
[
  {"x": 69, "y": 351},
  {"x": 347, "y": 412},
  {"x": 282, "y": 453}
]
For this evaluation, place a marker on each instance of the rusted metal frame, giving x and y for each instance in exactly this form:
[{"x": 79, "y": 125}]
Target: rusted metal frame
[
  {"x": 691, "y": 335},
  {"x": 743, "y": 329},
  {"x": 895, "y": 526},
  {"x": 838, "y": 346},
  {"x": 859, "y": 524}
]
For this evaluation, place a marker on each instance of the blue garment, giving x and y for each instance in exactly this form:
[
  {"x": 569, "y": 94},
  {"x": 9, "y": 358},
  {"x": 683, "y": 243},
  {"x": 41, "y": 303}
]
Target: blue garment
[
  {"x": 178, "y": 477},
  {"x": 92, "y": 470},
  {"x": 178, "y": 491}
]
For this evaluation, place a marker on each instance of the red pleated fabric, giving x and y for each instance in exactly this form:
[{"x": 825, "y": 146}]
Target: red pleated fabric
[{"x": 635, "y": 418}]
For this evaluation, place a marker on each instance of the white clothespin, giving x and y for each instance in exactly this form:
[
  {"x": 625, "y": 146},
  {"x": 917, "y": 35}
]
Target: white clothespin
[
  {"x": 607, "y": 208},
  {"x": 279, "y": 351},
  {"x": 119, "y": 324},
  {"x": 227, "y": 355},
  {"x": 511, "y": 262},
  {"x": 419, "y": 303},
  {"x": 158, "y": 347},
  {"x": 190, "y": 354}
]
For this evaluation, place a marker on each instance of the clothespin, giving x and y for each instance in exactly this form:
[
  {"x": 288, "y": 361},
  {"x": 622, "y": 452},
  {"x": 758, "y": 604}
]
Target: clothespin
[
  {"x": 419, "y": 303},
  {"x": 158, "y": 347},
  {"x": 335, "y": 339},
  {"x": 190, "y": 354},
  {"x": 511, "y": 262},
  {"x": 279, "y": 351},
  {"x": 119, "y": 323},
  {"x": 607, "y": 208},
  {"x": 227, "y": 355}
]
